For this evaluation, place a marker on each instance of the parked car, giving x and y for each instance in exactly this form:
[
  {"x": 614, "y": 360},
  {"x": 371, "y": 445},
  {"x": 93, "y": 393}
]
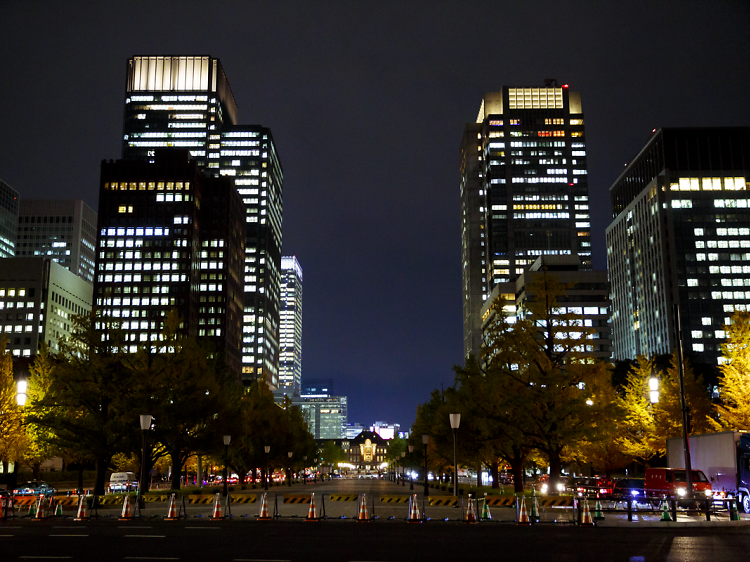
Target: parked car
[
  {"x": 590, "y": 486},
  {"x": 34, "y": 488},
  {"x": 634, "y": 487},
  {"x": 672, "y": 482}
]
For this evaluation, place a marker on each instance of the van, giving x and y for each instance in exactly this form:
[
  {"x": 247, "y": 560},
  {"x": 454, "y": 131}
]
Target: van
[
  {"x": 123, "y": 482},
  {"x": 672, "y": 482}
]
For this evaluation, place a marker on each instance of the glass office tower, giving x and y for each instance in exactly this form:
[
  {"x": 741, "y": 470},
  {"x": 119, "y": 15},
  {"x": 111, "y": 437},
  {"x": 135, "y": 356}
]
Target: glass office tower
[
  {"x": 290, "y": 340},
  {"x": 524, "y": 191},
  {"x": 8, "y": 220},
  {"x": 186, "y": 102},
  {"x": 680, "y": 235}
]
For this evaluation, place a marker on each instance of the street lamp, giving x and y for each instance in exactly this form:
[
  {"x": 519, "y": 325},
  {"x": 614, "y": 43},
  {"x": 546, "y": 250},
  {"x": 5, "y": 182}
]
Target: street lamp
[
  {"x": 411, "y": 467},
  {"x": 403, "y": 461},
  {"x": 653, "y": 386},
  {"x": 290, "y": 453},
  {"x": 425, "y": 440},
  {"x": 227, "y": 439},
  {"x": 145, "y": 426},
  {"x": 21, "y": 387},
  {"x": 455, "y": 422},
  {"x": 268, "y": 450}
]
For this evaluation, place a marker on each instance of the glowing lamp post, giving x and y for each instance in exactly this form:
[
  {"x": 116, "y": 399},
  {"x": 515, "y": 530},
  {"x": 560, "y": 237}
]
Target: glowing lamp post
[
  {"x": 145, "y": 426},
  {"x": 425, "y": 441},
  {"x": 290, "y": 453},
  {"x": 21, "y": 387},
  {"x": 455, "y": 422},
  {"x": 267, "y": 448},
  {"x": 227, "y": 439},
  {"x": 411, "y": 467},
  {"x": 653, "y": 387}
]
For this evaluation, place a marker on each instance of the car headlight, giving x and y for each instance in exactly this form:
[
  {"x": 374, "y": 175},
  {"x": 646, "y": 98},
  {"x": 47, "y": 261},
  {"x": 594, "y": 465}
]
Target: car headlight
[
  {"x": 709, "y": 493},
  {"x": 543, "y": 489},
  {"x": 681, "y": 492},
  {"x": 634, "y": 492},
  {"x": 561, "y": 487}
]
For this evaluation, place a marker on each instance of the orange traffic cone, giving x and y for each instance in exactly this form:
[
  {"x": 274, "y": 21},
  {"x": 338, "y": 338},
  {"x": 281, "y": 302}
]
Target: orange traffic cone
[
  {"x": 471, "y": 517},
  {"x": 523, "y": 516},
  {"x": 218, "y": 514},
  {"x": 413, "y": 510},
  {"x": 172, "y": 514},
  {"x": 312, "y": 514},
  {"x": 586, "y": 520},
  {"x": 363, "y": 516},
  {"x": 127, "y": 512},
  {"x": 40, "y": 513},
  {"x": 264, "y": 509},
  {"x": 3, "y": 508},
  {"x": 82, "y": 510}
]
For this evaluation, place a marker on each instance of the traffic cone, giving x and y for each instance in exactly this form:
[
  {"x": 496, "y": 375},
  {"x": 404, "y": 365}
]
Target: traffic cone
[
  {"x": 218, "y": 514},
  {"x": 586, "y": 520},
  {"x": 82, "y": 510},
  {"x": 598, "y": 515},
  {"x": 127, "y": 512},
  {"x": 32, "y": 509},
  {"x": 264, "y": 509},
  {"x": 665, "y": 512},
  {"x": 413, "y": 510},
  {"x": 471, "y": 517},
  {"x": 363, "y": 516},
  {"x": 733, "y": 513},
  {"x": 40, "y": 513},
  {"x": 58, "y": 510},
  {"x": 3, "y": 509},
  {"x": 486, "y": 515},
  {"x": 523, "y": 516},
  {"x": 172, "y": 514},
  {"x": 534, "y": 516},
  {"x": 312, "y": 514}
]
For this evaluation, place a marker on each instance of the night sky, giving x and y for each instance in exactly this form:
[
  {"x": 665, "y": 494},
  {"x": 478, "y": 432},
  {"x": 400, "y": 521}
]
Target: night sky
[{"x": 367, "y": 102}]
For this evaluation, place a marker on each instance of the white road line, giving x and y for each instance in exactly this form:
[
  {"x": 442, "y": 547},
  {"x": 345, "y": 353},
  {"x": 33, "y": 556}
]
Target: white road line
[{"x": 7, "y": 535}]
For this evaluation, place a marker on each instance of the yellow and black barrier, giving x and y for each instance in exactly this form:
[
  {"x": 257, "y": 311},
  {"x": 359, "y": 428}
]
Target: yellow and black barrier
[
  {"x": 244, "y": 498},
  {"x": 343, "y": 497},
  {"x": 394, "y": 499},
  {"x": 499, "y": 501},
  {"x": 443, "y": 500},
  {"x": 296, "y": 498},
  {"x": 564, "y": 501}
]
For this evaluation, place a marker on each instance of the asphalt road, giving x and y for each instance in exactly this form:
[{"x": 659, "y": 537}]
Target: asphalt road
[{"x": 345, "y": 540}]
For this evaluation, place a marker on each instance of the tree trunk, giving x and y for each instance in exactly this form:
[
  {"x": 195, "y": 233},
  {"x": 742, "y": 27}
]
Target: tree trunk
[
  {"x": 495, "y": 474},
  {"x": 479, "y": 475},
  {"x": 516, "y": 465},
  {"x": 101, "y": 472},
  {"x": 35, "y": 470},
  {"x": 176, "y": 470},
  {"x": 555, "y": 468}
]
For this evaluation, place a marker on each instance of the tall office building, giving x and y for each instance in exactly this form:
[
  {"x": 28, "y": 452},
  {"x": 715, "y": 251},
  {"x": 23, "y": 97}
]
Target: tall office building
[
  {"x": 61, "y": 229},
  {"x": 290, "y": 331},
  {"x": 680, "y": 236},
  {"x": 186, "y": 102},
  {"x": 524, "y": 192},
  {"x": 8, "y": 220},
  {"x": 38, "y": 299},
  {"x": 171, "y": 239}
]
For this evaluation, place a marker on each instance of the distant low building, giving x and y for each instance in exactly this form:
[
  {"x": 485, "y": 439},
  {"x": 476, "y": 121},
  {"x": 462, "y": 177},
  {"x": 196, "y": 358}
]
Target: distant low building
[{"x": 367, "y": 452}]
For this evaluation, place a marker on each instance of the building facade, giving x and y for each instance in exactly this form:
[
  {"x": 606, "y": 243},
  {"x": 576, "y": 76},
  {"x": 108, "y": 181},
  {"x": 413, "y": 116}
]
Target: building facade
[
  {"x": 8, "y": 220},
  {"x": 524, "y": 192},
  {"x": 171, "y": 239},
  {"x": 290, "y": 330},
  {"x": 326, "y": 416},
  {"x": 367, "y": 452},
  {"x": 61, "y": 229},
  {"x": 186, "y": 102},
  {"x": 38, "y": 299},
  {"x": 680, "y": 236}
]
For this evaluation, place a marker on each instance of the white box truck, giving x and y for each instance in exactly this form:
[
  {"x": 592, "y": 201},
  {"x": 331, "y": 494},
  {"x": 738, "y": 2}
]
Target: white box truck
[{"x": 723, "y": 457}]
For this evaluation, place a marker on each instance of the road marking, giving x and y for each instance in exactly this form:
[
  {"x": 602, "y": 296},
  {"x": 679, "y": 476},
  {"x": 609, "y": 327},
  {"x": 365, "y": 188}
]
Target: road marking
[
  {"x": 147, "y": 536},
  {"x": 7, "y": 535}
]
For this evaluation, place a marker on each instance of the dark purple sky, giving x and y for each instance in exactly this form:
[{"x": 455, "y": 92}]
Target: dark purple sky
[{"x": 367, "y": 102}]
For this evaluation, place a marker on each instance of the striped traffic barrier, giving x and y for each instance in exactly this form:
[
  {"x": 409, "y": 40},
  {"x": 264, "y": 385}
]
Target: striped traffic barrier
[
  {"x": 343, "y": 497},
  {"x": 394, "y": 499},
  {"x": 443, "y": 500}
]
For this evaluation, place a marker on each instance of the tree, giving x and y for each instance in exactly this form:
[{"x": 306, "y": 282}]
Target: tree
[
  {"x": 638, "y": 437},
  {"x": 12, "y": 432},
  {"x": 733, "y": 409},
  {"x": 549, "y": 382}
]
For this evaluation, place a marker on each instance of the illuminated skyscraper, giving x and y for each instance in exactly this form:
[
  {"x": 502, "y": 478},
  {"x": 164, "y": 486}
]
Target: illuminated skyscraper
[
  {"x": 524, "y": 192},
  {"x": 8, "y": 220},
  {"x": 186, "y": 102},
  {"x": 290, "y": 332},
  {"x": 680, "y": 235},
  {"x": 63, "y": 230}
]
